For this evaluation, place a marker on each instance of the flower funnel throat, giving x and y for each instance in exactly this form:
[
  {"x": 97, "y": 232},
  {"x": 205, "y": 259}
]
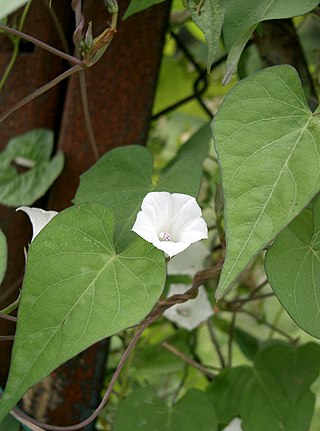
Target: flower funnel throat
[{"x": 171, "y": 222}]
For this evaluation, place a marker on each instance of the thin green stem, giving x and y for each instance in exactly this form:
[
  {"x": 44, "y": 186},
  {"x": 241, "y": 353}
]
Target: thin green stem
[
  {"x": 16, "y": 45},
  {"x": 11, "y": 307},
  {"x": 43, "y": 45},
  {"x": 40, "y": 91},
  {"x": 86, "y": 113}
]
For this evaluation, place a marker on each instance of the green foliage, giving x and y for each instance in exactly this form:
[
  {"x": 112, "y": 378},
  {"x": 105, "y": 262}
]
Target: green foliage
[
  {"x": 136, "y": 6},
  {"x": 123, "y": 177},
  {"x": 8, "y": 7},
  {"x": 77, "y": 290},
  {"x": 243, "y": 16},
  {"x": 9, "y": 424},
  {"x": 3, "y": 255},
  {"x": 274, "y": 394},
  {"x": 277, "y": 396},
  {"x": 226, "y": 392},
  {"x": 265, "y": 136},
  {"x": 208, "y": 15},
  {"x": 293, "y": 269},
  {"x": 142, "y": 411},
  {"x": 33, "y": 151}
]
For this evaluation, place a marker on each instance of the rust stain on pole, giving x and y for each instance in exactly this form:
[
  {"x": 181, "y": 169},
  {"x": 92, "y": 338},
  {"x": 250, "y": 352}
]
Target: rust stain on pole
[{"x": 31, "y": 70}]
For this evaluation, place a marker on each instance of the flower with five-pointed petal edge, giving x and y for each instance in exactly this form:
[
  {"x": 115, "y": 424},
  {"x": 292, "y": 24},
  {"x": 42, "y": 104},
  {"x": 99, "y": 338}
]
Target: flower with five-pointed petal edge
[
  {"x": 171, "y": 222},
  {"x": 38, "y": 217}
]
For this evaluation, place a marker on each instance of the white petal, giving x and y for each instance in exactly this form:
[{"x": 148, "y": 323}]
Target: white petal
[
  {"x": 156, "y": 207},
  {"x": 194, "y": 231},
  {"x": 189, "y": 261},
  {"x": 170, "y": 247},
  {"x": 38, "y": 217},
  {"x": 190, "y": 314},
  {"x": 184, "y": 208},
  {"x": 145, "y": 228},
  {"x": 234, "y": 425}
]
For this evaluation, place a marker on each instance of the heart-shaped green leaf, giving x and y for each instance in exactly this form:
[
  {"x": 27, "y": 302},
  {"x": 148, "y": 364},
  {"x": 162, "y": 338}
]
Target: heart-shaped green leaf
[
  {"x": 77, "y": 290},
  {"x": 277, "y": 396},
  {"x": 265, "y": 136},
  {"x": 208, "y": 16},
  {"x": 33, "y": 151},
  {"x": 243, "y": 16},
  {"x": 123, "y": 177},
  {"x": 142, "y": 411},
  {"x": 3, "y": 255},
  {"x": 226, "y": 392},
  {"x": 293, "y": 269}
]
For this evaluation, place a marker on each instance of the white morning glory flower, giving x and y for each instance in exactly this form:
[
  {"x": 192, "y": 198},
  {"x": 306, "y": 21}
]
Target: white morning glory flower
[
  {"x": 171, "y": 222},
  {"x": 191, "y": 313},
  {"x": 234, "y": 425},
  {"x": 38, "y": 217}
]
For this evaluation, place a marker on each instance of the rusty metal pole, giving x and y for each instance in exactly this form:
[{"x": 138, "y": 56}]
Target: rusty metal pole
[{"x": 120, "y": 89}]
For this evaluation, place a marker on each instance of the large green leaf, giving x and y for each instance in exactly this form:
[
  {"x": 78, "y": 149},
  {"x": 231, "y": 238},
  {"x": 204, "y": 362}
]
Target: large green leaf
[
  {"x": 77, "y": 290},
  {"x": 7, "y": 7},
  {"x": 136, "y": 6},
  {"x": 226, "y": 392},
  {"x": 208, "y": 16},
  {"x": 142, "y": 411},
  {"x": 3, "y": 255},
  {"x": 32, "y": 149},
  {"x": 293, "y": 269},
  {"x": 123, "y": 177},
  {"x": 265, "y": 136},
  {"x": 277, "y": 396},
  {"x": 243, "y": 16}
]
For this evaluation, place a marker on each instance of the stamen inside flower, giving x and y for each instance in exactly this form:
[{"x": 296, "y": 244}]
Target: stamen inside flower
[{"x": 165, "y": 236}]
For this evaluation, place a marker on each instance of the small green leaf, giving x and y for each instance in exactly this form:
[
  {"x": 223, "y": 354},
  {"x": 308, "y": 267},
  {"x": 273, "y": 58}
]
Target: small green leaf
[
  {"x": 3, "y": 255},
  {"x": 293, "y": 269},
  {"x": 208, "y": 15},
  {"x": 142, "y": 411},
  {"x": 265, "y": 136},
  {"x": 243, "y": 16},
  {"x": 277, "y": 396},
  {"x": 31, "y": 150},
  {"x": 77, "y": 290},
  {"x": 226, "y": 392},
  {"x": 136, "y": 6},
  {"x": 7, "y": 7},
  {"x": 122, "y": 178}
]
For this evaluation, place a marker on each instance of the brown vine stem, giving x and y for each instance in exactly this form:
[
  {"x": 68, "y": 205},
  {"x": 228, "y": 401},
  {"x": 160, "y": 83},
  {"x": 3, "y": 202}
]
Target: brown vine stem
[
  {"x": 199, "y": 278},
  {"x": 215, "y": 342},
  {"x": 231, "y": 334},
  {"x": 40, "y": 91},
  {"x": 269, "y": 325},
  {"x": 188, "y": 360},
  {"x": 43, "y": 45},
  {"x": 6, "y": 337},
  {"x": 6, "y": 317}
]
